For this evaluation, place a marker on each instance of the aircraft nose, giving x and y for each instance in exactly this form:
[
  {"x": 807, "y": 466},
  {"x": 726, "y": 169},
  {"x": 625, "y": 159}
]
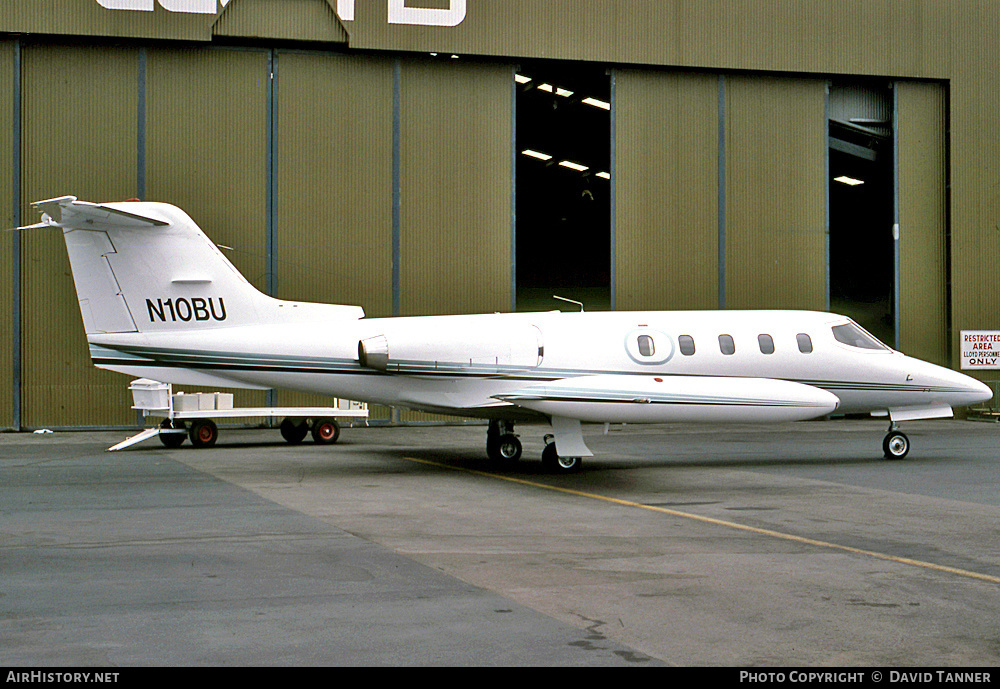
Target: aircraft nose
[
  {"x": 967, "y": 390},
  {"x": 979, "y": 391}
]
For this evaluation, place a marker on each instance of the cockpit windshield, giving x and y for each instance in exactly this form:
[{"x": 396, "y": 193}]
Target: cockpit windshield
[{"x": 854, "y": 335}]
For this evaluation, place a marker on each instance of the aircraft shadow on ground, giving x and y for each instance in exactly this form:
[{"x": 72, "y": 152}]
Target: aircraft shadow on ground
[{"x": 677, "y": 452}]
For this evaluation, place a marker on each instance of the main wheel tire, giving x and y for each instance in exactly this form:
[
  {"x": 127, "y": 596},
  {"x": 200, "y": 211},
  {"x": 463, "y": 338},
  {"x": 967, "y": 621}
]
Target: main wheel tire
[
  {"x": 294, "y": 431},
  {"x": 325, "y": 431},
  {"x": 559, "y": 465},
  {"x": 895, "y": 445},
  {"x": 172, "y": 440},
  {"x": 203, "y": 433},
  {"x": 505, "y": 449}
]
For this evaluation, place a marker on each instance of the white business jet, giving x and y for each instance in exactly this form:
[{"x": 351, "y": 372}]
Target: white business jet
[{"x": 160, "y": 301}]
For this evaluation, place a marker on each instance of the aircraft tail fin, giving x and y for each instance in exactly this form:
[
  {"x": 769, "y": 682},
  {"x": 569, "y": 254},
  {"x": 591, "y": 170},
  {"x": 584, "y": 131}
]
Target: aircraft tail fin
[{"x": 147, "y": 267}]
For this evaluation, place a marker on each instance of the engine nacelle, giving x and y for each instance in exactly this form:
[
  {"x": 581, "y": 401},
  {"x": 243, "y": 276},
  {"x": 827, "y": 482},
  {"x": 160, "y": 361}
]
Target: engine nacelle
[{"x": 490, "y": 347}]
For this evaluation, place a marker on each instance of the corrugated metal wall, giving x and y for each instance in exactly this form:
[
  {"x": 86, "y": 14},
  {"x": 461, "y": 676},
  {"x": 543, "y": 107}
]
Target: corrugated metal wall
[
  {"x": 206, "y": 132},
  {"x": 78, "y": 119},
  {"x": 923, "y": 39},
  {"x": 334, "y": 180},
  {"x": 200, "y": 137},
  {"x": 772, "y": 149},
  {"x": 302, "y": 20},
  {"x": 198, "y": 127},
  {"x": 8, "y": 240},
  {"x": 667, "y": 232},
  {"x": 775, "y": 229},
  {"x": 88, "y": 18},
  {"x": 906, "y": 39},
  {"x": 923, "y": 219},
  {"x": 455, "y": 228},
  {"x": 975, "y": 152}
]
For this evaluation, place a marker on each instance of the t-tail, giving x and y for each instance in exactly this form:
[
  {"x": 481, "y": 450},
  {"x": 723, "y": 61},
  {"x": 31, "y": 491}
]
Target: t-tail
[{"x": 142, "y": 267}]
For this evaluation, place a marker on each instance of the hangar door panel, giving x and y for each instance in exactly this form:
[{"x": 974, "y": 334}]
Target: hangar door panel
[
  {"x": 206, "y": 121},
  {"x": 775, "y": 226},
  {"x": 666, "y": 225},
  {"x": 455, "y": 224},
  {"x": 333, "y": 237},
  {"x": 921, "y": 151},
  {"x": 79, "y": 141},
  {"x": 8, "y": 213}
]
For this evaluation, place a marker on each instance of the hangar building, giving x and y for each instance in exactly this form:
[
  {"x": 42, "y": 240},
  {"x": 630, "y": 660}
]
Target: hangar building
[{"x": 456, "y": 156}]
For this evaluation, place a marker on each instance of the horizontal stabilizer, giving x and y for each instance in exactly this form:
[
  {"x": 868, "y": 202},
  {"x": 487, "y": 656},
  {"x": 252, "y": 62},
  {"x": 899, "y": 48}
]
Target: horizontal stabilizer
[
  {"x": 617, "y": 398},
  {"x": 36, "y": 226},
  {"x": 68, "y": 213}
]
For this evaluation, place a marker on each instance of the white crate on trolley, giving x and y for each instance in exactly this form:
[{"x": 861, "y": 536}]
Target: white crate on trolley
[{"x": 150, "y": 394}]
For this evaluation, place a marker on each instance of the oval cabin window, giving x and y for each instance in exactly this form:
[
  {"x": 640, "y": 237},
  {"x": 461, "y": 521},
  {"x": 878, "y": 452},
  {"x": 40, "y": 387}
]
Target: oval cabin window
[{"x": 648, "y": 347}]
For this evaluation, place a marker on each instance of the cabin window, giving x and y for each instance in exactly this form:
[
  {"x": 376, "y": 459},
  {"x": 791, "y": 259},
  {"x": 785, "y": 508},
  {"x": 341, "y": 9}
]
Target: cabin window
[
  {"x": 649, "y": 347},
  {"x": 766, "y": 343},
  {"x": 805, "y": 343},
  {"x": 726, "y": 344},
  {"x": 686, "y": 343},
  {"x": 646, "y": 347},
  {"x": 854, "y": 335}
]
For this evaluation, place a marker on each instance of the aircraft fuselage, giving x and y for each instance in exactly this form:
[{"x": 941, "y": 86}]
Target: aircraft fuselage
[{"x": 458, "y": 364}]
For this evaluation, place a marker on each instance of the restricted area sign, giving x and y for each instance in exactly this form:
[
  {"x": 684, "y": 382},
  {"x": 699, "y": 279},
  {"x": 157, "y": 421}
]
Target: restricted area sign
[{"x": 980, "y": 349}]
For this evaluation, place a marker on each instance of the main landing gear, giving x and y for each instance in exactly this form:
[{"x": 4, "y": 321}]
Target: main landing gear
[
  {"x": 895, "y": 445},
  {"x": 503, "y": 447}
]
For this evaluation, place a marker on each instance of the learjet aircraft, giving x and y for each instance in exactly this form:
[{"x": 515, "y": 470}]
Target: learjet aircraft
[{"x": 159, "y": 300}]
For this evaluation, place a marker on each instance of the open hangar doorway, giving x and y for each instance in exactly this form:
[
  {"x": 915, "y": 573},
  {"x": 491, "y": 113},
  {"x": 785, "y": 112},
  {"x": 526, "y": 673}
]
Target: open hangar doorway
[
  {"x": 562, "y": 186},
  {"x": 862, "y": 253}
]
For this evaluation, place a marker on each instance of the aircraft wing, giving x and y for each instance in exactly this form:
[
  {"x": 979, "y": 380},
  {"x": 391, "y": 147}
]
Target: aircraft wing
[
  {"x": 67, "y": 212},
  {"x": 622, "y": 398}
]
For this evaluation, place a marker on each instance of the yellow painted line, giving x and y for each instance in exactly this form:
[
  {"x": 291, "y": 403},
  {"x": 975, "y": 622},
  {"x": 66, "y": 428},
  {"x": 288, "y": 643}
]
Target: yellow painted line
[{"x": 723, "y": 523}]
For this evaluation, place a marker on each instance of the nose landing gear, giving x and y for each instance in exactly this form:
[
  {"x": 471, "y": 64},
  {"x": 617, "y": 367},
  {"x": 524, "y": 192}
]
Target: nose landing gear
[
  {"x": 556, "y": 464},
  {"x": 895, "y": 445}
]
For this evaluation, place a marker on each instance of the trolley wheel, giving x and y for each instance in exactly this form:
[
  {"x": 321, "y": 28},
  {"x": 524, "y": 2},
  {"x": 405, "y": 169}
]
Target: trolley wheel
[
  {"x": 294, "y": 431},
  {"x": 172, "y": 440},
  {"x": 203, "y": 433},
  {"x": 325, "y": 431}
]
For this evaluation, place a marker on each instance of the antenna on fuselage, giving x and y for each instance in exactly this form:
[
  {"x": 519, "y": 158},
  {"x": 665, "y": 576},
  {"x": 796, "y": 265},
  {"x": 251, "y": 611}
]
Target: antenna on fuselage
[{"x": 571, "y": 301}]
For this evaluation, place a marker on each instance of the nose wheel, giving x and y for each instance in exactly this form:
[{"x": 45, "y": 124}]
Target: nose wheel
[
  {"x": 895, "y": 445},
  {"x": 557, "y": 464}
]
